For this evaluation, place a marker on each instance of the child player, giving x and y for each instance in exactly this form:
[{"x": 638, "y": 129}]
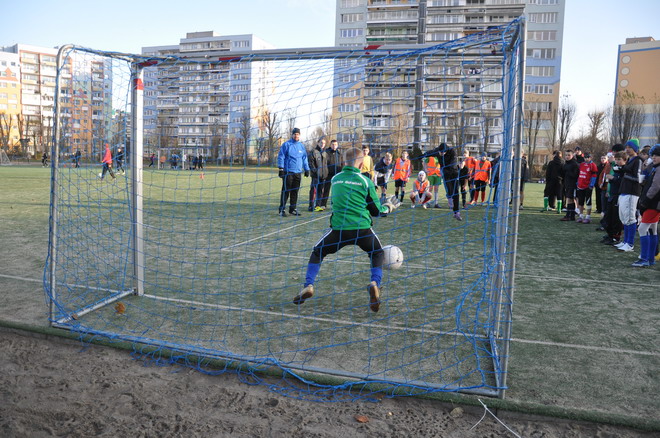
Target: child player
[
  {"x": 402, "y": 171},
  {"x": 354, "y": 203},
  {"x": 421, "y": 194},
  {"x": 107, "y": 162},
  {"x": 383, "y": 172},
  {"x": 432, "y": 168},
  {"x": 585, "y": 184}
]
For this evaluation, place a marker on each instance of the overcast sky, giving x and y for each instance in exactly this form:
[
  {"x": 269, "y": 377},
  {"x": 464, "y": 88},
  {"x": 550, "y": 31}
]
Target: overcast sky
[{"x": 593, "y": 29}]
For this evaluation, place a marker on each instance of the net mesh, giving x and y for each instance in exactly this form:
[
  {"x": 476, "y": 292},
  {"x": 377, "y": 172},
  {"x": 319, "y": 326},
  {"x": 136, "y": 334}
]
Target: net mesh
[{"x": 218, "y": 267}]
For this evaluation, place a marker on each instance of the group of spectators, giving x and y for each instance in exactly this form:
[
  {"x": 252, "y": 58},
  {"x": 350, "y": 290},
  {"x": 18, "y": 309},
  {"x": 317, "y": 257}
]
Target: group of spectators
[
  {"x": 627, "y": 191},
  {"x": 460, "y": 175}
]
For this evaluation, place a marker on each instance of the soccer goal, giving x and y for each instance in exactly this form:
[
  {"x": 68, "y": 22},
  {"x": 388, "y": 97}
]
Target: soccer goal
[
  {"x": 4, "y": 159},
  {"x": 190, "y": 255}
]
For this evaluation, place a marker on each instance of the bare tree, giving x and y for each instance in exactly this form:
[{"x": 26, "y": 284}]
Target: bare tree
[
  {"x": 218, "y": 135},
  {"x": 596, "y": 124},
  {"x": 23, "y": 122},
  {"x": 656, "y": 122},
  {"x": 533, "y": 121},
  {"x": 271, "y": 124},
  {"x": 400, "y": 131},
  {"x": 244, "y": 132},
  {"x": 290, "y": 116},
  {"x": 565, "y": 119},
  {"x": 6, "y": 125},
  {"x": 627, "y": 117},
  {"x": 327, "y": 124}
]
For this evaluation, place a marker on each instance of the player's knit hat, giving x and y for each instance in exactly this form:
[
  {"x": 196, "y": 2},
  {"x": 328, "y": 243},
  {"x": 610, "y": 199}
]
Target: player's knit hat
[
  {"x": 295, "y": 131},
  {"x": 655, "y": 150},
  {"x": 633, "y": 144}
]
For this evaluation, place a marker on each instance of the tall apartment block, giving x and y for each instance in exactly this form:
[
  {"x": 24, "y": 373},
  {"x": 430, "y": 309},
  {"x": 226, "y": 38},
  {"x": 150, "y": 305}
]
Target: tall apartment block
[
  {"x": 637, "y": 83},
  {"x": 392, "y": 22},
  {"x": 81, "y": 105},
  {"x": 10, "y": 100},
  {"x": 196, "y": 106}
]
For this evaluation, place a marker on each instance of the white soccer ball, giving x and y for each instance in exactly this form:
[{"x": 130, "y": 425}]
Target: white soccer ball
[
  {"x": 393, "y": 257},
  {"x": 101, "y": 175}
]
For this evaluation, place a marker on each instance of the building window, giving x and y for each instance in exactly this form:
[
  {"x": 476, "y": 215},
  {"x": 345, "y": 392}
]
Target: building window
[
  {"x": 541, "y": 71},
  {"x": 240, "y": 44},
  {"x": 545, "y": 35},
  {"x": 351, "y": 18},
  {"x": 351, "y": 33},
  {"x": 543, "y": 17},
  {"x": 353, "y": 3},
  {"x": 541, "y": 53}
]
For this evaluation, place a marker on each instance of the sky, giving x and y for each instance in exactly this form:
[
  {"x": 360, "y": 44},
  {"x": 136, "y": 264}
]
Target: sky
[{"x": 593, "y": 30}]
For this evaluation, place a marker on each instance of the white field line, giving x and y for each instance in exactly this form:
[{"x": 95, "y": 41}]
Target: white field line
[
  {"x": 376, "y": 326},
  {"x": 399, "y": 327}
]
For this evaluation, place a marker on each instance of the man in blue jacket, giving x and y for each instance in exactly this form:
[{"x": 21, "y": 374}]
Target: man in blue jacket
[{"x": 291, "y": 161}]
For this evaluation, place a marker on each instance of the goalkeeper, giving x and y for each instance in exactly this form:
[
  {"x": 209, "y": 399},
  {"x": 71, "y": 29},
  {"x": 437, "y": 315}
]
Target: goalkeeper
[{"x": 354, "y": 203}]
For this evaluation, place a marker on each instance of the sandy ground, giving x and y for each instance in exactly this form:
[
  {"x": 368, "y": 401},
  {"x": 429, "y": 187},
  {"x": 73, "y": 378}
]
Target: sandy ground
[{"x": 55, "y": 387}]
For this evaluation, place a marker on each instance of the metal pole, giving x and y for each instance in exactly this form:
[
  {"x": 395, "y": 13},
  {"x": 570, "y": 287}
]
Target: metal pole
[
  {"x": 419, "y": 78},
  {"x": 510, "y": 287},
  {"x": 54, "y": 199},
  {"x": 137, "y": 226}
]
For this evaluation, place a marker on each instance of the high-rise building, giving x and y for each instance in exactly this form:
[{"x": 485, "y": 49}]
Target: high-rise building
[
  {"x": 80, "y": 105},
  {"x": 197, "y": 106},
  {"x": 637, "y": 83},
  {"x": 10, "y": 100},
  {"x": 390, "y": 22}
]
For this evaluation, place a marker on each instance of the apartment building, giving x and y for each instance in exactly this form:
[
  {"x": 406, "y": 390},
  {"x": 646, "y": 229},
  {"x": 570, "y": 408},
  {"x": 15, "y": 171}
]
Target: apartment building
[
  {"x": 10, "y": 100},
  {"x": 637, "y": 83},
  {"x": 194, "y": 107},
  {"x": 391, "y": 22},
  {"x": 81, "y": 105}
]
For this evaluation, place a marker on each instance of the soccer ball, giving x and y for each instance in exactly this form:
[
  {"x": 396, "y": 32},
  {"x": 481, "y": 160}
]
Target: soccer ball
[
  {"x": 393, "y": 257},
  {"x": 100, "y": 175}
]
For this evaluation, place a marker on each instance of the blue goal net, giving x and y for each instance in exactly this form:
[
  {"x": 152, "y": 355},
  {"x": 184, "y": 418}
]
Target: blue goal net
[{"x": 166, "y": 232}]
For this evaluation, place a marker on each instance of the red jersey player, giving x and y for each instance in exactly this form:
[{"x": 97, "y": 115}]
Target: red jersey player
[{"x": 585, "y": 184}]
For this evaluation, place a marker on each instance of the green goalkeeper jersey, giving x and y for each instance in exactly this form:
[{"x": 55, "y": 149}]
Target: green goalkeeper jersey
[{"x": 354, "y": 201}]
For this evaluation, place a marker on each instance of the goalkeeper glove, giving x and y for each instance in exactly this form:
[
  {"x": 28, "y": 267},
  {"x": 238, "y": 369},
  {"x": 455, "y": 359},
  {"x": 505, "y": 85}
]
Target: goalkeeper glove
[
  {"x": 392, "y": 205},
  {"x": 281, "y": 173},
  {"x": 307, "y": 174}
]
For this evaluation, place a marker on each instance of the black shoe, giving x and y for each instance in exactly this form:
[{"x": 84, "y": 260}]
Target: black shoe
[
  {"x": 310, "y": 208},
  {"x": 283, "y": 213},
  {"x": 606, "y": 239},
  {"x": 294, "y": 213},
  {"x": 600, "y": 229},
  {"x": 612, "y": 242}
]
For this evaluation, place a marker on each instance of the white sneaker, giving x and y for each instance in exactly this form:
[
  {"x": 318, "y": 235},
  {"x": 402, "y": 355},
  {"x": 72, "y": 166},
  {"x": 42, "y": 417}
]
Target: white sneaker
[
  {"x": 424, "y": 206},
  {"x": 412, "y": 206},
  {"x": 620, "y": 244},
  {"x": 626, "y": 248}
]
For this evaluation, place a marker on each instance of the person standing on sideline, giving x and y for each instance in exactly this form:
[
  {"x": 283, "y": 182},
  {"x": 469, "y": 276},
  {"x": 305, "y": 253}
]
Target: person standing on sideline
[
  {"x": 76, "y": 159},
  {"x": 433, "y": 173},
  {"x": 463, "y": 181},
  {"x": 524, "y": 177},
  {"x": 629, "y": 192},
  {"x": 200, "y": 162},
  {"x": 152, "y": 159},
  {"x": 449, "y": 171},
  {"x": 588, "y": 173},
  {"x": 600, "y": 196},
  {"x": 579, "y": 156},
  {"x": 495, "y": 175},
  {"x": 367, "y": 168},
  {"x": 120, "y": 160},
  {"x": 649, "y": 203},
  {"x": 470, "y": 165},
  {"x": 107, "y": 162},
  {"x": 611, "y": 221},
  {"x": 402, "y": 171},
  {"x": 44, "y": 159},
  {"x": 482, "y": 175},
  {"x": 291, "y": 161},
  {"x": 570, "y": 173},
  {"x": 383, "y": 173},
  {"x": 354, "y": 204},
  {"x": 319, "y": 173},
  {"x": 333, "y": 165},
  {"x": 552, "y": 193}
]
